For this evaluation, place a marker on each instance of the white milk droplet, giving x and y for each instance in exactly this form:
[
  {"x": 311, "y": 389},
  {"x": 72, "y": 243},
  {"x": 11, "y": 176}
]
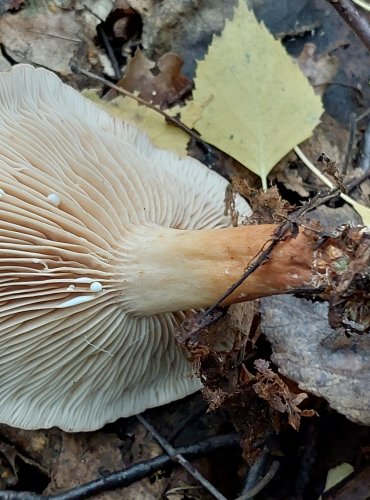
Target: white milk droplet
[
  {"x": 54, "y": 199},
  {"x": 96, "y": 286}
]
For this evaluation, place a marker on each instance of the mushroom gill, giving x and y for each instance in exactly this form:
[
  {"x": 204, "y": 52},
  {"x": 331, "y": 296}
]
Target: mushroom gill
[{"x": 79, "y": 191}]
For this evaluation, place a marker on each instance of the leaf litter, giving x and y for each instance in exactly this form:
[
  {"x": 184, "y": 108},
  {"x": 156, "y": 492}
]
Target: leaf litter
[
  {"x": 237, "y": 101},
  {"x": 232, "y": 379}
]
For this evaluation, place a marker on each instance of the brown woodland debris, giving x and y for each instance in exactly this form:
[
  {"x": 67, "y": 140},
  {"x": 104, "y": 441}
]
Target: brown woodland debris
[
  {"x": 44, "y": 38},
  {"x": 320, "y": 70},
  {"x": 41, "y": 446},
  {"x": 163, "y": 88},
  {"x": 275, "y": 391},
  {"x": 267, "y": 206},
  {"x": 84, "y": 457},
  {"x": 220, "y": 351}
]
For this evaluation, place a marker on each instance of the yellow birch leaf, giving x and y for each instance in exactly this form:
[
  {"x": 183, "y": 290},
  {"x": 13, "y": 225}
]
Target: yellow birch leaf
[
  {"x": 250, "y": 99},
  {"x": 128, "y": 110}
]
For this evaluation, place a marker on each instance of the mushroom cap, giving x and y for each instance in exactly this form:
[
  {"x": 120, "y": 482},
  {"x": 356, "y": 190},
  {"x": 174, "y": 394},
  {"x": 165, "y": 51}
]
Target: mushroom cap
[{"x": 74, "y": 183}]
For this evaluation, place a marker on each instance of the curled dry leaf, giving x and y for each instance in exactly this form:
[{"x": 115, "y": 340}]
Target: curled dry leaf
[
  {"x": 164, "y": 88},
  {"x": 321, "y": 360},
  {"x": 272, "y": 388}
]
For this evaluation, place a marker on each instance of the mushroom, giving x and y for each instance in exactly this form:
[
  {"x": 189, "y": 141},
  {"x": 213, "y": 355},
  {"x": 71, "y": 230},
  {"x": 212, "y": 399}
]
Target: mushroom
[{"x": 104, "y": 241}]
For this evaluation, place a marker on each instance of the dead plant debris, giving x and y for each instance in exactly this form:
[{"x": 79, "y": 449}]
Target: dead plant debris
[{"x": 264, "y": 364}]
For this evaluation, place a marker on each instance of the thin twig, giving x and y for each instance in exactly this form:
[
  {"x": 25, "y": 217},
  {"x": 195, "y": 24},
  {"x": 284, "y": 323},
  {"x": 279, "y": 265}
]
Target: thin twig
[
  {"x": 176, "y": 455},
  {"x": 358, "y": 180},
  {"x": 54, "y": 35},
  {"x": 360, "y": 25},
  {"x": 171, "y": 119},
  {"x": 351, "y": 139},
  {"x": 363, "y": 4},
  {"x": 131, "y": 474},
  {"x": 364, "y": 162},
  {"x": 261, "y": 484},
  {"x": 110, "y": 53},
  {"x": 255, "y": 471}
]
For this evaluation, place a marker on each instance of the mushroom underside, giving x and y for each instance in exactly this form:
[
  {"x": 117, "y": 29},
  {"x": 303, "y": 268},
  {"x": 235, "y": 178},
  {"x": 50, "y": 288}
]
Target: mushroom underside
[{"x": 75, "y": 185}]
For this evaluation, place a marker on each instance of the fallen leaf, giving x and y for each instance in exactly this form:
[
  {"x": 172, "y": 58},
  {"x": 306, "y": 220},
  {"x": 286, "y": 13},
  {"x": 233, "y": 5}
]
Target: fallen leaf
[
  {"x": 272, "y": 388},
  {"x": 161, "y": 134},
  {"x": 337, "y": 474},
  {"x": 163, "y": 88},
  {"x": 41, "y": 37},
  {"x": 250, "y": 99},
  {"x": 286, "y": 172},
  {"x": 42, "y": 446},
  {"x": 177, "y": 26},
  {"x": 321, "y": 360},
  {"x": 320, "y": 70},
  {"x": 54, "y": 37},
  {"x": 357, "y": 485},
  {"x": 85, "y": 457}
]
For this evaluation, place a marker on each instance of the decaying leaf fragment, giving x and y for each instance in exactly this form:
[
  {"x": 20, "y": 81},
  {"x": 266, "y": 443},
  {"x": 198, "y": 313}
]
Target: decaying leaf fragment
[
  {"x": 274, "y": 390},
  {"x": 320, "y": 70},
  {"x": 250, "y": 99},
  {"x": 163, "y": 88}
]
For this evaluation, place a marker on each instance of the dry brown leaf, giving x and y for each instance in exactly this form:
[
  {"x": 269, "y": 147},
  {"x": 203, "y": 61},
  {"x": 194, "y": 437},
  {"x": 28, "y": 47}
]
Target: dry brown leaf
[
  {"x": 321, "y": 360},
  {"x": 41, "y": 446},
  {"x": 54, "y": 37},
  {"x": 45, "y": 38},
  {"x": 163, "y": 88},
  {"x": 270, "y": 387},
  {"x": 144, "y": 447},
  {"x": 84, "y": 457},
  {"x": 288, "y": 174},
  {"x": 320, "y": 70}
]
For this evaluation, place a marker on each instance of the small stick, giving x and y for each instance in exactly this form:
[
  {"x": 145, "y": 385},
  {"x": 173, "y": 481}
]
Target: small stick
[
  {"x": 110, "y": 53},
  {"x": 175, "y": 455},
  {"x": 261, "y": 484},
  {"x": 351, "y": 139},
  {"x": 364, "y": 162},
  {"x": 360, "y": 25},
  {"x": 255, "y": 471},
  {"x": 358, "y": 180},
  {"x": 130, "y": 474},
  {"x": 171, "y": 119}
]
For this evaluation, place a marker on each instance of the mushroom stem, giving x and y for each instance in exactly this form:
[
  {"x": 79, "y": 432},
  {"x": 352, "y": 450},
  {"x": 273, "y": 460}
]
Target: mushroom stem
[{"x": 178, "y": 270}]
